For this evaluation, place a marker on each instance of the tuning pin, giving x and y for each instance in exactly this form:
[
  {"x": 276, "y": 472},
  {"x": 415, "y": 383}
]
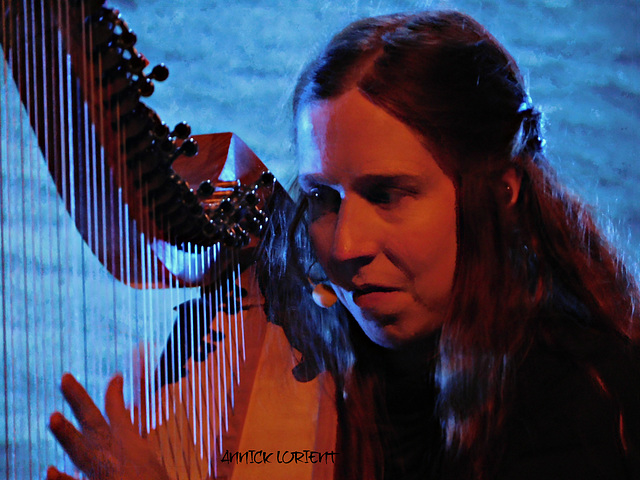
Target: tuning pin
[
  {"x": 168, "y": 146},
  {"x": 242, "y": 237},
  {"x": 189, "y": 148},
  {"x": 210, "y": 229},
  {"x": 236, "y": 236},
  {"x": 145, "y": 87},
  {"x": 228, "y": 237},
  {"x": 159, "y": 73},
  {"x": 181, "y": 130},
  {"x": 160, "y": 129},
  {"x": 127, "y": 38},
  {"x": 216, "y": 221},
  {"x": 225, "y": 208},
  {"x": 190, "y": 198},
  {"x": 206, "y": 189},
  {"x": 254, "y": 225},
  {"x": 251, "y": 199},
  {"x": 137, "y": 63},
  {"x": 260, "y": 216},
  {"x": 187, "y": 196},
  {"x": 267, "y": 179}
]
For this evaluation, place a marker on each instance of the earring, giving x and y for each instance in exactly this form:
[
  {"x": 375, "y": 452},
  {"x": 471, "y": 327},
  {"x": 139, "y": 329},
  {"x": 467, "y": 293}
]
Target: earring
[{"x": 324, "y": 295}]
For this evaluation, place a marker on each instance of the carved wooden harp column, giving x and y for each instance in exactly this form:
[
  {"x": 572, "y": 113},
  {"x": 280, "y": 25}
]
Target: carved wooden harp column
[{"x": 124, "y": 250}]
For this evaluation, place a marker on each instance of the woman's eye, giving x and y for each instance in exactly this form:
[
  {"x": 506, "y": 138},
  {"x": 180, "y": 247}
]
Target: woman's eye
[
  {"x": 322, "y": 200},
  {"x": 386, "y": 196}
]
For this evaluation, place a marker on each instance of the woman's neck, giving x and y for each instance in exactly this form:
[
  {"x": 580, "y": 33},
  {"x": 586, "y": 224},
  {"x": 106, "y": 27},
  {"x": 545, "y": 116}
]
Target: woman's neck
[{"x": 411, "y": 360}]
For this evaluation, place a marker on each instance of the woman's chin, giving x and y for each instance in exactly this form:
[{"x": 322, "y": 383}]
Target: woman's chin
[
  {"x": 394, "y": 320},
  {"x": 394, "y": 332}
]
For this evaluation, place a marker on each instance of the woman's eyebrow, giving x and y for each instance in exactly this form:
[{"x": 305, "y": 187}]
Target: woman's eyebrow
[
  {"x": 399, "y": 180},
  {"x": 396, "y": 180},
  {"x": 309, "y": 179}
]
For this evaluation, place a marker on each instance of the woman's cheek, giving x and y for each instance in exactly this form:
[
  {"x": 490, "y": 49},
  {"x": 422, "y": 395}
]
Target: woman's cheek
[{"x": 321, "y": 235}]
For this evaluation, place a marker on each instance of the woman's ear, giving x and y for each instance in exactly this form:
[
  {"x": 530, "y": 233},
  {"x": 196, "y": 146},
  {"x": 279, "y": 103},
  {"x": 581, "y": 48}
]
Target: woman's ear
[{"x": 511, "y": 180}]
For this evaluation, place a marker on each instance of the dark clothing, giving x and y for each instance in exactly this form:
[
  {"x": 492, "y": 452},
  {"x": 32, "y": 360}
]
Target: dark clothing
[
  {"x": 411, "y": 435},
  {"x": 575, "y": 413},
  {"x": 577, "y": 408}
]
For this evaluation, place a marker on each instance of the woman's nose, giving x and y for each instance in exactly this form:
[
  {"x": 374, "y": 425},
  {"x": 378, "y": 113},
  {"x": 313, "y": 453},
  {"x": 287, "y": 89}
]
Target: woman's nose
[{"x": 355, "y": 235}]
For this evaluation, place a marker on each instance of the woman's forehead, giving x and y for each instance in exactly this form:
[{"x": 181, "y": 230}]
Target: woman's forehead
[{"x": 351, "y": 136}]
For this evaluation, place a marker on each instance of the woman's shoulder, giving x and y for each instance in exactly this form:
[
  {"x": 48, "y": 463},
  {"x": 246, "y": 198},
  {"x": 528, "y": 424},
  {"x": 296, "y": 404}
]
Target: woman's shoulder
[{"x": 576, "y": 411}]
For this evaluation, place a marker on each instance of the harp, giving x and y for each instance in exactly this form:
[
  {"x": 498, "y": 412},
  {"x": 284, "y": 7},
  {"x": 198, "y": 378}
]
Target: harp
[{"x": 121, "y": 235}]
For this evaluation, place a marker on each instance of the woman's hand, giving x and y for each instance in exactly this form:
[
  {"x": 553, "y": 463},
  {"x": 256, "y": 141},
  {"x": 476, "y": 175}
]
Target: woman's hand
[{"x": 103, "y": 450}]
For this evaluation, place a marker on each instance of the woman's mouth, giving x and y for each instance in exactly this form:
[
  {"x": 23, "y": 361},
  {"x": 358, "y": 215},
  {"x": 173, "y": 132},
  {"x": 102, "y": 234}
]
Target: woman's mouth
[{"x": 374, "y": 296}]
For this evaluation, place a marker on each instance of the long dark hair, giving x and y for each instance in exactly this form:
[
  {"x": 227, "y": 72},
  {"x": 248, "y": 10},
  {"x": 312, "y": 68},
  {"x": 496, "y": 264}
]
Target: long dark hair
[{"x": 447, "y": 78}]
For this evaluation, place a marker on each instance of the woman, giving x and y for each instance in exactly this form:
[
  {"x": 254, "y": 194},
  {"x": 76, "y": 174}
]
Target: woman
[
  {"x": 483, "y": 328},
  {"x": 465, "y": 275}
]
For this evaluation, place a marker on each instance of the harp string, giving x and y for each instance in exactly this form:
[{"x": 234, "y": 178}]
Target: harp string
[
  {"x": 10, "y": 287},
  {"x": 8, "y": 261},
  {"x": 228, "y": 291},
  {"x": 30, "y": 250},
  {"x": 197, "y": 335},
  {"x": 207, "y": 310},
  {"x": 9, "y": 347},
  {"x": 3, "y": 289},
  {"x": 90, "y": 125},
  {"x": 169, "y": 407},
  {"x": 104, "y": 193},
  {"x": 84, "y": 143},
  {"x": 230, "y": 308},
  {"x": 3, "y": 154},
  {"x": 40, "y": 340},
  {"x": 196, "y": 389},
  {"x": 44, "y": 252},
  {"x": 221, "y": 405},
  {"x": 24, "y": 267},
  {"x": 65, "y": 150},
  {"x": 61, "y": 147}
]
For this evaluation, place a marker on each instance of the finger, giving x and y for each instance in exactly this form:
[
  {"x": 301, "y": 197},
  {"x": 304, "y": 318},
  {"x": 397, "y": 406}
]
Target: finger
[
  {"x": 119, "y": 416},
  {"x": 72, "y": 442},
  {"x": 54, "y": 474},
  {"x": 85, "y": 410}
]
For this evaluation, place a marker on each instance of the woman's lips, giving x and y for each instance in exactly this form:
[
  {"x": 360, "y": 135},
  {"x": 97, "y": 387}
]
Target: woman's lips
[{"x": 374, "y": 296}]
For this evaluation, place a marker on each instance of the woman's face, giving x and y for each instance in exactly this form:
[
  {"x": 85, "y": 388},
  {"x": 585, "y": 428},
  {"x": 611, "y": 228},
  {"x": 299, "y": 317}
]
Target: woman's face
[{"x": 382, "y": 217}]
